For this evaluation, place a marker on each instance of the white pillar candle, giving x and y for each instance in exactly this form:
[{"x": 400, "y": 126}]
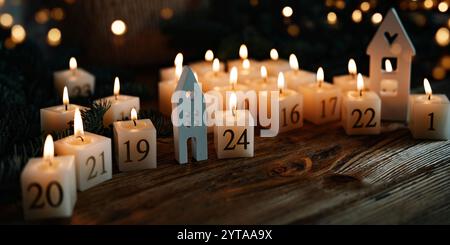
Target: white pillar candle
[
  {"x": 429, "y": 115},
  {"x": 275, "y": 65},
  {"x": 57, "y": 118},
  {"x": 92, "y": 153},
  {"x": 348, "y": 82},
  {"x": 49, "y": 185},
  {"x": 296, "y": 77},
  {"x": 120, "y": 105},
  {"x": 264, "y": 82},
  {"x": 361, "y": 111},
  {"x": 234, "y": 132},
  {"x": 170, "y": 73},
  {"x": 214, "y": 78},
  {"x": 135, "y": 143},
  {"x": 78, "y": 81},
  {"x": 322, "y": 101},
  {"x": 203, "y": 67},
  {"x": 248, "y": 69}
]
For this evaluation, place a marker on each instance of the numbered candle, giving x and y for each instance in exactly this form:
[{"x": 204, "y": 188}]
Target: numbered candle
[
  {"x": 275, "y": 65},
  {"x": 49, "y": 185},
  {"x": 234, "y": 132},
  {"x": 348, "y": 82},
  {"x": 78, "y": 81},
  {"x": 170, "y": 73},
  {"x": 429, "y": 115},
  {"x": 296, "y": 77},
  {"x": 135, "y": 143},
  {"x": 57, "y": 118},
  {"x": 203, "y": 67},
  {"x": 92, "y": 153},
  {"x": 361, "y": 111},
  {"x": 215, "y": 78},
  {"x": 322, "y": 101},
  {"x": 121, "y": 105}
]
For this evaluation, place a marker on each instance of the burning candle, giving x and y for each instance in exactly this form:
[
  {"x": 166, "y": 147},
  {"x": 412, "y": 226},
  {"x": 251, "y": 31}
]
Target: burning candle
[
  {"x": 247, "y": 68},
  {"x": 78, "y": 81},
  {"x": 296, "y": 77},
  {"x": 215, "y": 78},
  {"x": 264, "y": 82},
  {"x": 170, "y": 73},
  {"x": 348, "y": 82},
  {"x": 275, "y": 65},
  {"x": 203, "y": 67}
]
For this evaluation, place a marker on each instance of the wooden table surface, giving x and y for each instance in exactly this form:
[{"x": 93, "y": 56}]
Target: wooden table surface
[{"x": 316, "y": 175}]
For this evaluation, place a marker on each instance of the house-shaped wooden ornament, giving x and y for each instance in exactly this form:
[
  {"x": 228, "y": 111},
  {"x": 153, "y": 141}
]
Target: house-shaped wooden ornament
[
  {"x": 391, "y": 53},
  {"x": 188, "y": 105}
]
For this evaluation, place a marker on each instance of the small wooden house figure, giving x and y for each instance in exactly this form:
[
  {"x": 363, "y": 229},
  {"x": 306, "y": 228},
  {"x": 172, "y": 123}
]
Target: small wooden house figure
[
  {"x": 188, "y": 104},
  {"x": 391, "y": 53}
]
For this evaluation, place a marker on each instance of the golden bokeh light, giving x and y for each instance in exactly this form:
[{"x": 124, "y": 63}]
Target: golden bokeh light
[
  {"x": 166, "y": 13},
  {"x": 357, "y": 16},
  {"x": 42, "y": 16},
  {"x": 377, "y": 18},
  {"x": 442, "y": 36},
  {"x": 365, "y": 6},
  {"x": 57, "y": 14},
  {"x": 6, "y": 20},
  {"x": 439, "y": 73},
  {"x": 331, "y": 18},
  {"x": 18, "y": 34},
  {"x": 118, "y": 27},
  {"x": 287, "y": 11},
  {"x": 54, "y": 37}
]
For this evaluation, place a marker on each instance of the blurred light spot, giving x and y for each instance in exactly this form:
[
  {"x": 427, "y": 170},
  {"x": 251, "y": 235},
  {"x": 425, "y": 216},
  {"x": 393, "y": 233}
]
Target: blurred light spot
[
  {"x": 6, "y": 20},
  {"x": 166, "y": 13},
  {"x": 57, "y": 14},
  {"x": 443, "y": 7},
  {"x": 340, "y": 4},
  {"x": 413, "y": 5},
  {"x": 54, "y": 37},
  {"x": 2, "y": 2},
  {"x": 18, "y": 34},
  {"x": 442, "y": 36},
  {"x": 377, "y": 18},
  {"x": 42, "y": 16},
  {"x": 357, "y": 16},
  {"x": 70, "y": 1},
  {"x": 365, "y": 6},
  {"x": 331, "y": 18},
  {"x": 118, "y": 27},
  {"x": 293, "y": 30},
  {"x": 9, "y": 44},
  {"x": 254, "y": 3},
  {"x": 287, "y": 11},
  {"x": 439, "y": 73},
  {"x": 445, "y": 62},
  {"x": 448, "y": 23},
  {"x": 329, "y": 3},
  {"x": 428, "y": 4}
]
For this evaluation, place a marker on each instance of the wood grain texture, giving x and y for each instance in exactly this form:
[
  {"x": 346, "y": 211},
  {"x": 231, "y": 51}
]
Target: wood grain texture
[{"x": 315, "y": 175}]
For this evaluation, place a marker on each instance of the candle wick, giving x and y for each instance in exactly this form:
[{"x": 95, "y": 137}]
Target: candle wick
[
  {"x": 115, "y": 96},
  {"x": 429, "y": 97},
  {"x": 81, "y": 137},
  {"x": 134, "y": 121},
  {"x": 66, "y": 106},
  {"x": 360, "y": 92}
]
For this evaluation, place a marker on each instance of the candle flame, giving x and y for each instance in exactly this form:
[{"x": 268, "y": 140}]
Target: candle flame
[
  {"x": 352, "y": 70},
  {"x": 388, "y": 65},
  {"x": 233, "y": 76},
  {"x": 320, "y": 76},
  {"x": 233, "y": 101},
  {"x": 73, "y": 64},
  {"x": 427, "y": 86},
  {"x": 263, "y": 72},
  {"x": 274, "y": 54},
  {"x": 49, "y": 150},
  {"x": 293, "y": 62},
  {"x": 178, "y": 60},
  {"x": 216, "y": 65},
  {"x": 78, "y": 124},
  {"x": 209, "y": 55},
  {"x": 65, "y": 96},
  {"x": 178, "y": 71},
  {"x": 360, "y": 82},
  {"x": 246, "y": 64},
  {"x": 116, "y": 86},
  {"x": 133, "y": 114},
  {"x": 243, "y": 52},
  {"x": 280, "y": 81}
]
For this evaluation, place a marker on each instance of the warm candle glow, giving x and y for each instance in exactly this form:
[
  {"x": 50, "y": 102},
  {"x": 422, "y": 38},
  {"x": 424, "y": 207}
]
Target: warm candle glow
[
  {"x": 133, "y": 114},
  {"x": 65, "y": 97},
  {"x": 209, "y": 55},
  {"x": 178, "y": 60},
  {"x": 243, "y": 52},
  {"x": 78, "y": 124},
  {"x": 377, "y": 18},
  {"x": 287, "y": 11},
  {"x": 233, "y": 102},
  {"x": 73, "y": 64},
  {"x": 49, "y": 150},
  {"x": 293, "y": 62},
  {"x": 360, "y": 83},
  {"x": 233, "y": 76},
  {"x": 246, "y": 64},
  {"x": 54, "y": 37},
  {"x": 178, "y": 71},
  {"x": 280, "y": 82},
  {"x": 18, "y": 34},
  {"x": 320, "y": 77},
  {"x": 388, "y": 65},
  {"x": 116, "y": 87},
  {"x": 427, "y": 86},
  {"x": 216, "y": 65},
  {"x": 274, "y": 54},
  {"x": 352, "y": 67},
  {"x": 263, "y": 72},
  {"x": 118, "y": 27}
]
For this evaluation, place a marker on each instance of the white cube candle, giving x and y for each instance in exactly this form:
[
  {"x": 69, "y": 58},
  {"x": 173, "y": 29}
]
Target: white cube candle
[
  {"x": 275, "y": 65},
  {"x": 57, "y": 118},
  {"x": 234, "y": 134},
  {"x": 92, "y": 153},
  {"x": 78, "y": 81},
  {"x": 165, "y": 91},
  {"x": 322, "y": 101},
  {"x": 361, "y": 111},
  {"x": 214, "y": 77},
  {"x": 263, "y": 83},
  {"x": 296, "y": 77},
  {"x": 348, "y": 82},
  {"x": 49, "y": 185},
  {"x": 135, "y": 144},
  {"x": 121, "y": 105},
  {"x": 429, "y": 115},
  {"x": 203, "y": 67},
  {"x": 170, "y": 73}
]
